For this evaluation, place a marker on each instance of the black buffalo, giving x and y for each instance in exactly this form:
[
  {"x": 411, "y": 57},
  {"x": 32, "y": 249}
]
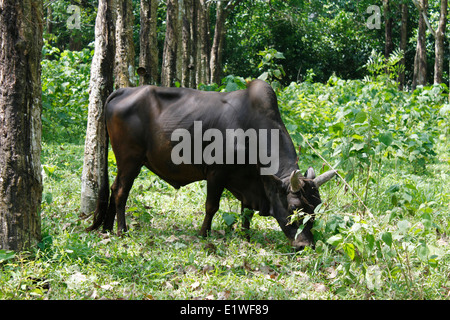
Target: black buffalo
[{"x": 142, "y": 124}]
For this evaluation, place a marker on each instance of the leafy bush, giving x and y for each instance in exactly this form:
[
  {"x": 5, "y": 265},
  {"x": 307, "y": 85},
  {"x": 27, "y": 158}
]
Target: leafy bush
[{"x": 65, "y": 94}]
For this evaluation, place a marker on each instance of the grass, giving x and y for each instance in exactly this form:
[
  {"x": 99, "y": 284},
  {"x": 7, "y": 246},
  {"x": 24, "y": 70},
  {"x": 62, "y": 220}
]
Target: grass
[{"x": 162, "y": 257}]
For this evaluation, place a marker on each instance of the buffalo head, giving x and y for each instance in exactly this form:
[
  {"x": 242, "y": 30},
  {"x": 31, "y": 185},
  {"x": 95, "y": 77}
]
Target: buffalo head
[{"x": 294, "y": 193}]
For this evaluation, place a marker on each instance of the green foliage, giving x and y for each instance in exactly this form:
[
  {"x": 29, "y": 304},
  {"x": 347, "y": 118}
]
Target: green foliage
[
  {"x": 272, "y": 72},
  {"x": 229, "y": 83},
  {"x": 386, "y": 144},
  {"x": 362, "y": 123},
  {"x": 65, "y": 96},
  {"x": 326, "y": 36},
  {"x": 59, "y": 34},
  {"x": 380, "y": 67}
]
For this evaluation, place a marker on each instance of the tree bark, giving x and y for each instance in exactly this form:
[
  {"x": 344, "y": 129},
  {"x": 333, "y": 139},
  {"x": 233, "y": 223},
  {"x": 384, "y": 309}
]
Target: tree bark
[
  {"x": 439, "y": 44},
  {"x": 169, "y": 63},
  {"x": 21, "y": 28},
  {"x": 420, "y": 59},
  {"x": 389, "y": 45},
  {"x": 203, "y": 42},
  {"x": 186, "y": 44},
  {"x": 194, "y": 48},
  {"x": 215, "y": 62},
  {"x": 403, "y": 44},
  {"x": 148, "y": 58},
  {"x": 222, "y": 11},
  {"x": 124, "y": 67},
  {"x": 100, "y": 87}
]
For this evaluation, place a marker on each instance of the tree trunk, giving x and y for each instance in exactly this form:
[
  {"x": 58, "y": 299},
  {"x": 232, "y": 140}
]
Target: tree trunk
[
  {"x": 21, "y": 28},
  {"x": 403, "y": 44},
  {"x": 186, "y": 44},
  {"x": 203, "y": 42},
  {"x": 420, "y": 59},
  {"x": 124, "y": 67},
  {"x": 217, "y": 45},
  {"x": 439, "y": 44},
  {"x": 179, "y": 26},
  {"x": 389, "y": 45},
  {"x": 222, "y": 12},
  {"x": 169, "y": 62},
  {"x": 100, "y": 87},
  {"x": 49, "y": 20},
  {"x": 194, "y": 48},
  {"x": 148, "y": 58}
]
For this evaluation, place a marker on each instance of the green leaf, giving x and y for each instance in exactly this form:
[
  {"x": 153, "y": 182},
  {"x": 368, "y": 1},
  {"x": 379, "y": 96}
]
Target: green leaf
[
  {"x": 264, "y": 76},
  {"x": 277, "y": 73},
  {"x": 335, "y": 240},
  {"x": 423, "y": 251},
  {"x": 393, "y": 188},
  {"x": 349, "y": 176},
  {"x": 6, "y": 255},
  {"x": 360, "y": 117},
  {"x": 386, "y": 138},
  {"x": 231, "y": 86},
  {"x": 370, "y": 241},
  {"x": 387, "y": 238},
  {"x": 337, "y": 127},
  {"x": 403, "y": 226},
  {"x": 349, "y": 249},
  {"x": 229, "y": 218},
  {"x": 279, "y": 55},
  {"x": 358, "y": 146},
  {"x": 375, "y": 119}
]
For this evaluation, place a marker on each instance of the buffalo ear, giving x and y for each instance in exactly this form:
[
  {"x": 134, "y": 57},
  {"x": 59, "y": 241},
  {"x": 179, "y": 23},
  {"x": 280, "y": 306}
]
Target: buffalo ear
[
  {"x": 310, "y": 174},
  {"x": 272, "y": 182}
]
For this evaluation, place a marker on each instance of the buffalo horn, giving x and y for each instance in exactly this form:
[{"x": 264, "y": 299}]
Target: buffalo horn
[
  {"x": 324, "y": 177},
  {"x": 296, "y": 183}
]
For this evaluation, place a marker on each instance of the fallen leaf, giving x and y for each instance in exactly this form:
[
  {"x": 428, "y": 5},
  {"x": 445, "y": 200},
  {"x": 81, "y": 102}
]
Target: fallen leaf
[
  {"x": 195, "y": 285},
  {"x": 223, "y": 295},
  {"x": 220, "y": 232},
  {"x": 105, "y": 241},
  {"x": 332, "y": 272},
  {"x": 191, "y": 268},
  {"x": 148, "y": 296},
  {"x": 107, "y": 287},
  {"x": 443, "y": 242},
  {"x": 247, "y": 266},
  {"x": 171, "y": 239},
  {"x": 301, "y": 275},
  {"x": 188, "y": 238},
  {"x": 94, "y": 295},
  {"x": 319, "y": 287}
]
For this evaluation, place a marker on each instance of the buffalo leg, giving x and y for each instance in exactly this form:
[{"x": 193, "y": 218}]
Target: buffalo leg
[
  {"x": 126, "y": 180},
  {"x": 111, "y": 211},
  {"x": 213, "y": 194},
  {"x": 127, "y": 170},
  {"x": 246, "y": 216}
]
